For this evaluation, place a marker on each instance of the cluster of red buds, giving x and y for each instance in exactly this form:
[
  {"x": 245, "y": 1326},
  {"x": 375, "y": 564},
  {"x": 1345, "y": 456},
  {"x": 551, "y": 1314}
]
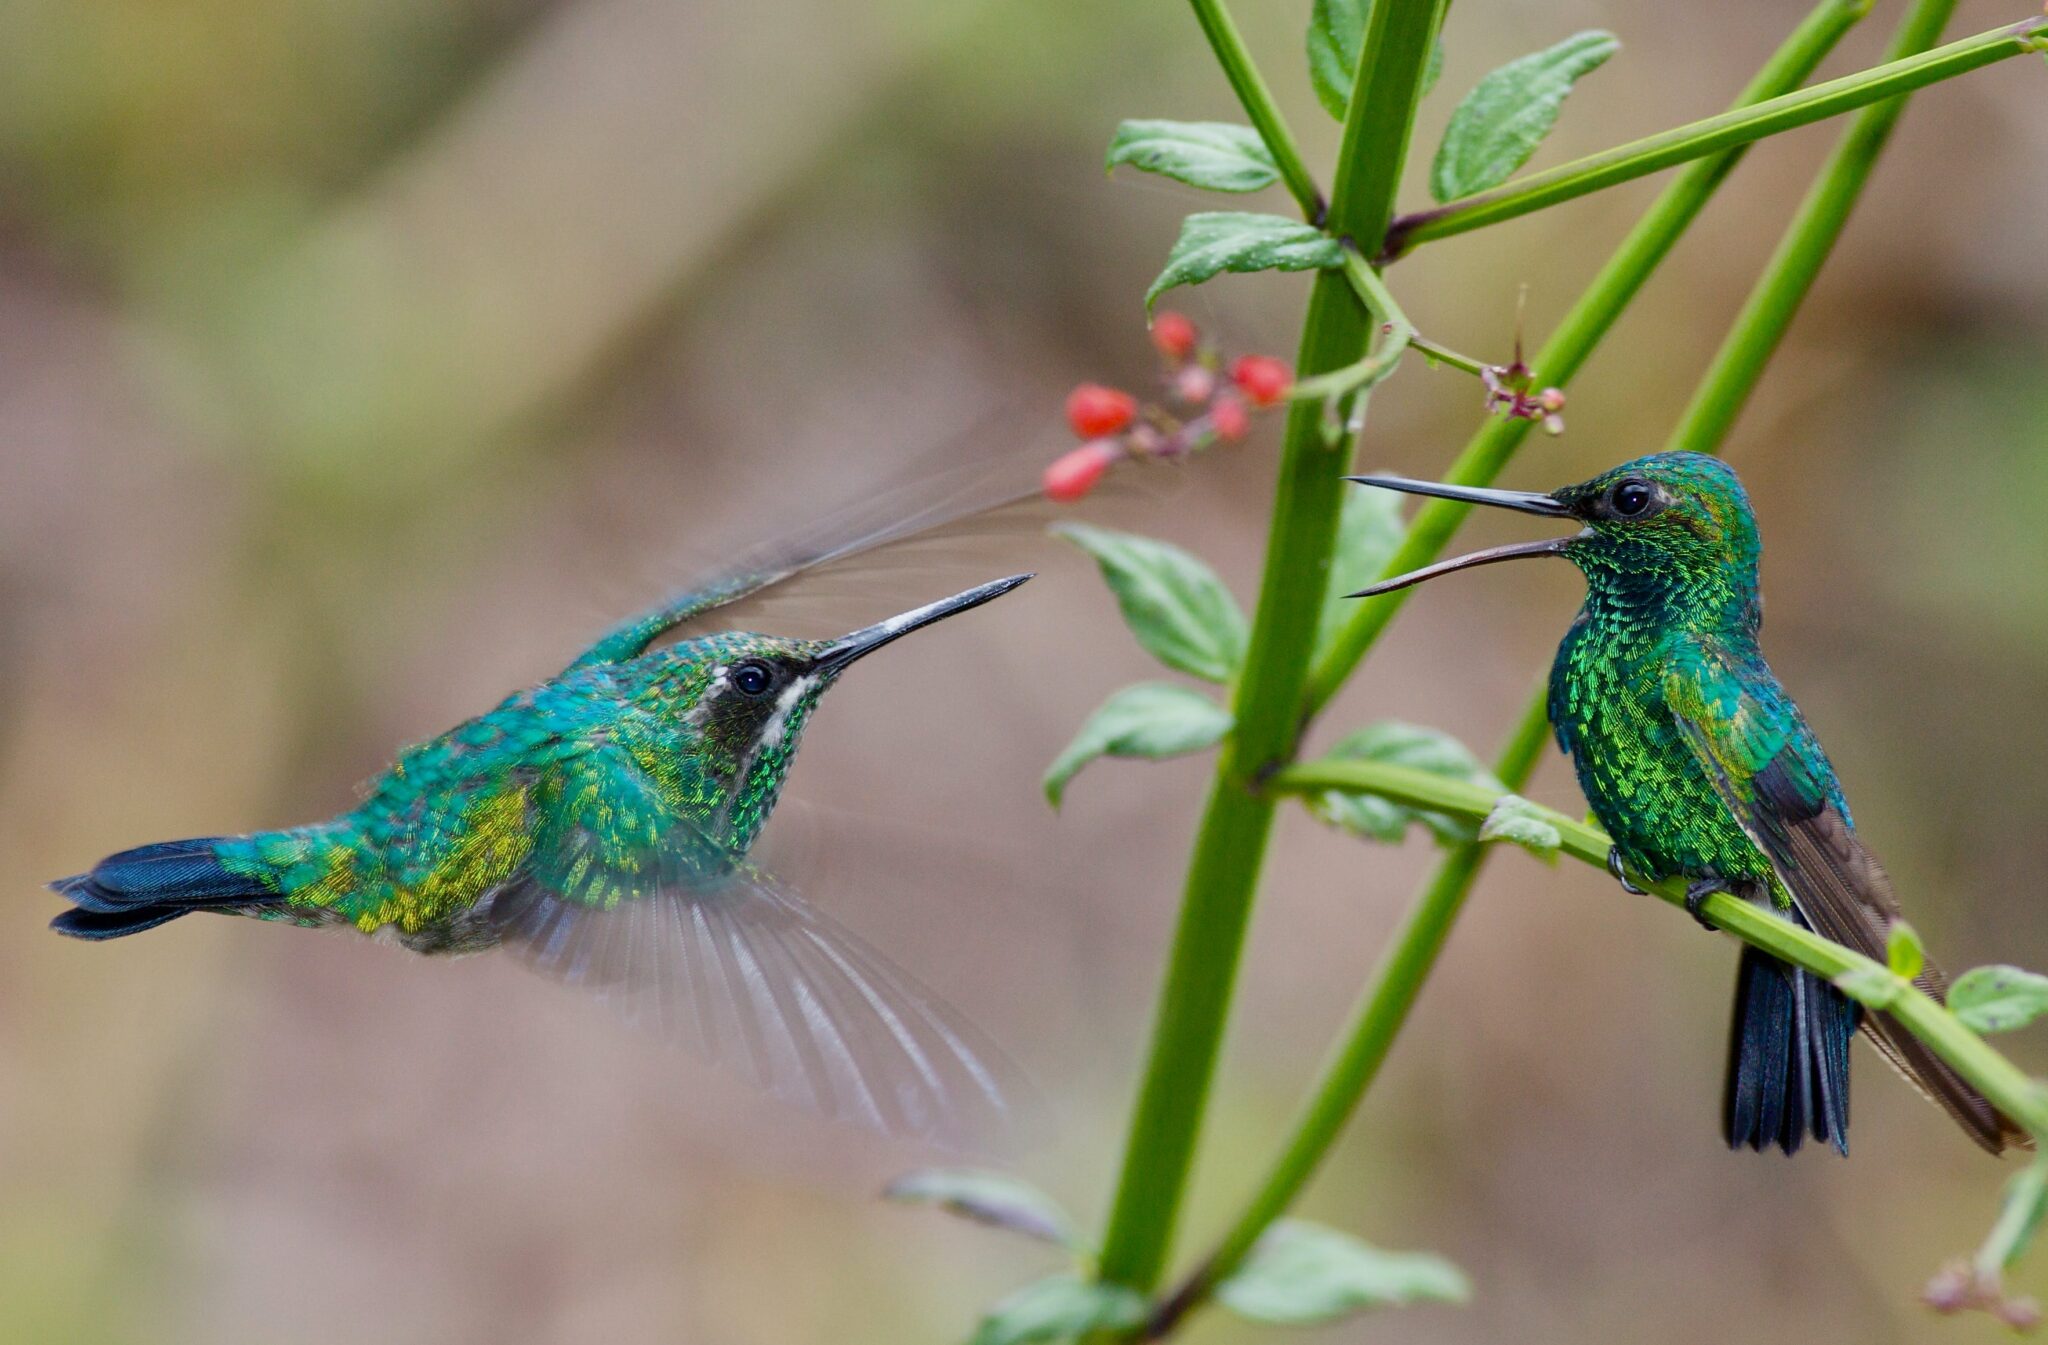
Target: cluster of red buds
[
  {"x": 1960, "y": 1286},
  {"x": 1204, "y": 403},
  {"x": 1507, "y": 392}
]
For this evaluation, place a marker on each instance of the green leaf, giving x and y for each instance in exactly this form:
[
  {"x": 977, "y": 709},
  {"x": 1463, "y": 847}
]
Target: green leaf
[
  {"x": 1402, "y": 745},
  {"x": 1530, "y": 825},
  {"x": 1173, "y": 603},
  {"x": 1998, "y": 998},
  {"x": 1368, "y": 532},
  {"x": 1301, "y": 1274},
  {"x": 1151, "y": 719},
  {"x": 1336, "y": 37},
  {"x": 990, "y": 1198},
  {"x": 1218, "y": 155},
  {"x": 1902, "y": 951},
  {"x": 1215, "y": 241},
  {"x": 1060, "y": 1306},
  {"x": 1872, "y": 987},
  {"x": 1507, "y": 115}
]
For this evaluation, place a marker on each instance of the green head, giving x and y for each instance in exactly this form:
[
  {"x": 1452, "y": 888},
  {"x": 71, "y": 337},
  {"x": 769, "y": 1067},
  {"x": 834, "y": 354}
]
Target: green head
[
  {"x": 741, "y": 701},
  {"x": 1667, "y": 538}
]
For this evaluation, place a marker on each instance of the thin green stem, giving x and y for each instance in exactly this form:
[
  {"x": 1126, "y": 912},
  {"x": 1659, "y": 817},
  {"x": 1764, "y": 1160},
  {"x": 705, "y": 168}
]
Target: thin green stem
[
  {"x": 1445, "y": 355},
  {"x": 1396, "y": 331},
  {"x": 1627, "y": 162},
  {"x": 1583, "y": 328},
  {"x": 1250, "y": 86},
  {"x": 2005, "y": 1084},
  {"x": 1223, "y": 873},
  {"x": 1802, "y": 250}
]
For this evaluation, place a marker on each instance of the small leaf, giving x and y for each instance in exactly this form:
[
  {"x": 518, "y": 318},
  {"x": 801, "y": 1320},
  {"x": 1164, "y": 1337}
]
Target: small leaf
[
  {"x": 1872, "y": 987},
  {"x": 1902, "y": 951},
  {"x": 1336, "y": 37},
  {"x": 1998, "y": 998},
  {"x": 1173, "y": 603},
  {"x": 1060, "y": 1306},
  {"x": 1301, "y": 1274},
  {"x": 1530, "y": 825},
  {"x": 1218, "y": 155},
  {"x": 1368, "y": 532},
  {"x": 1151, "y": 719},
  {"x": 1507, "y": 115},
  {"x": 1402, "y": 745},
  {"x": 990, "y": 1198},
  {"x": 1215, "y": 241}
]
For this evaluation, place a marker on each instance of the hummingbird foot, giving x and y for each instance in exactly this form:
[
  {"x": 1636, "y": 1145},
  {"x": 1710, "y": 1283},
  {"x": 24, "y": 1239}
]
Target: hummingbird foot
[
  {"x": 1620, "y": 874},
  {"x": 1696, "y": 894}
]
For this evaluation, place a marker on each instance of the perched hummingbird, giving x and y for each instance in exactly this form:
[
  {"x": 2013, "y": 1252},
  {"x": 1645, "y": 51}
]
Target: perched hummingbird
[
  {"x": 600, "y": 826},
  {"x": 1701, "y": 767}
]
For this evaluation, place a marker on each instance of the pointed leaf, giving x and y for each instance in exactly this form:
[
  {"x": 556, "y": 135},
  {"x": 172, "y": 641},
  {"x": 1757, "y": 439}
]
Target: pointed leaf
[
  {"x": 1507, "y": 115},
  {"x": 1998, "y": 998},
  {"x": 1060, "y": 1306},
  {"x": 1902, "y": 951},
  {"x": 1368, "y": 532},
  {"x": 1151, "y": 719},
  {"x": 1530, "y": 825},
  {"x": 1404, "y": 745},
  {"x": 1216, "y": 241},
  {"x": 1218, "y": 155},
  {"x": 1872, "y": 987},
  {"x": 991, "y": 1198},
  {"x": 1174, "y": 604},
  {"x": 1302, "y": 1274},
  {"x": 1336, "y": 37}
]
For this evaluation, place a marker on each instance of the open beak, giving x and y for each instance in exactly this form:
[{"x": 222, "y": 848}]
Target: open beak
[
  {"x": 1525, "y": 501},
  {"x": 867, "y": 640}
]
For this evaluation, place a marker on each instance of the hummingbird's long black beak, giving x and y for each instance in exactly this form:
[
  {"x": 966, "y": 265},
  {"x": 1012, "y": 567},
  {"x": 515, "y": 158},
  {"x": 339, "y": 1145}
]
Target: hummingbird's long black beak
[
  {"x": 1524, "y": 501},
  {"x": 868, "y": 639}
]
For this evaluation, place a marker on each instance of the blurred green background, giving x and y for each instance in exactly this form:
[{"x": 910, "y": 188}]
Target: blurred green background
[{"x": 360, "y": 358}]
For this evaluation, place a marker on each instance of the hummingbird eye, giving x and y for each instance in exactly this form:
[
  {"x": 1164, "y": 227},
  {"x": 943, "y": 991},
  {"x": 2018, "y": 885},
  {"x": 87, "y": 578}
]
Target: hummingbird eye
[
  {"x": 1630, "y": 499},
  {"x": 751, "y": 679}
]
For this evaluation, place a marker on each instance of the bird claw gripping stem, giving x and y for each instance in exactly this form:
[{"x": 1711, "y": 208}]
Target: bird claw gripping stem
[
  {"x": 1696, "y": 894},
  {"x": 1621, "y": 874}
]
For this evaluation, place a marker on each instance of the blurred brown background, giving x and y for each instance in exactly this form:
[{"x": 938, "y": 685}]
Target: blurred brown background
[{"x": 359, "y": 358}]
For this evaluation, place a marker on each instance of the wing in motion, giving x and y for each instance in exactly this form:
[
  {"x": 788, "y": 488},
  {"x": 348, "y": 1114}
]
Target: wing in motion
[
  {"x": 722, "y": 960},
  {"x": 1769, "y": 769}
]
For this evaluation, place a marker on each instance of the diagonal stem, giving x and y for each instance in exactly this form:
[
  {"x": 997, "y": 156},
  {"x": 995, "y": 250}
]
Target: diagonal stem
[
  {"x": 1627, "y": 162},
  {"x": 1250, "y": 87}
]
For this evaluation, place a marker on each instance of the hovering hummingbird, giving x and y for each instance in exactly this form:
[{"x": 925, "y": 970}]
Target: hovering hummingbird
[
  {"x": 1701, "y": 767},
  {"x": 599, "y": 825}
]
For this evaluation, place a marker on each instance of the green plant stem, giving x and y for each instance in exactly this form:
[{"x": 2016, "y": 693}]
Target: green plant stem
[
  {"x": 1396, "y": 331},
  {"x": 1445, "y": 355},
  {"x": 1624, "y": 163},
  {"x": 1765, "y": 315},
  {"x": 1583, "y": 328},
  {"x": 1251, "y": 90},
  {"x": 1375, "y": 1022},
  {"x": 1223, "y": 872},
  {"x": 1998, "y": 1079}
]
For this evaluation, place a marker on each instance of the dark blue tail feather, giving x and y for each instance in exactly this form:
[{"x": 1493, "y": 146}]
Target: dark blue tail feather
[
  {"x": 145, "y": 887},
  {"x": 1788, "y": 1058}
]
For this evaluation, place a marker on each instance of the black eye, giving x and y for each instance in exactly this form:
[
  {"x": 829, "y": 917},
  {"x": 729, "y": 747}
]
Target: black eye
[
  {"x": 751, "y": 679},
  {"x": 1631, "y": 498}
]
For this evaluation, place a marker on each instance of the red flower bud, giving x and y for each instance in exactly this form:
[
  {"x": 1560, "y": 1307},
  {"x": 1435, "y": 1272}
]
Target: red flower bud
[
  {"x": 1094, "y": 410},
  {"x": 1263, "y": 379},
  {"x": 1194, "y": 384},
  {"x": 1174, "y": 335},
  {"x": 1229, "y": 418},
  {"x": 1074, "y": 474}
]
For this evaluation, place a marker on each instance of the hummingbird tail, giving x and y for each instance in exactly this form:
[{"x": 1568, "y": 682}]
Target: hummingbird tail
[
  {"x": 1788, "y": 1058},
  {"x": 151, "y": 885}
]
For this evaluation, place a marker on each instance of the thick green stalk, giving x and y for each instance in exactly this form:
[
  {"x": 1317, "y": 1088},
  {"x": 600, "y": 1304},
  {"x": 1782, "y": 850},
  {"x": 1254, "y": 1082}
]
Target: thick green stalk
[
  {"x": 1582, "y": 329},
  {"x": 1627, "y": 162},
  {"x": 2006, "y": 1085},
  {"x": 1805, "y": 246},
  {"x": 1223, "y": 872},
  {"x": 1250, "y": 86}
]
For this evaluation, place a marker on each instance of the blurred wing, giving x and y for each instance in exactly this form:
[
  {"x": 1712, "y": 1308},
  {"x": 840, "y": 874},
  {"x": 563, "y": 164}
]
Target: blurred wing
[
  {"x": 911, "y": 511},
  {"x": 741, "y": 970},
  {"x": 1769, "y": 769}
]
